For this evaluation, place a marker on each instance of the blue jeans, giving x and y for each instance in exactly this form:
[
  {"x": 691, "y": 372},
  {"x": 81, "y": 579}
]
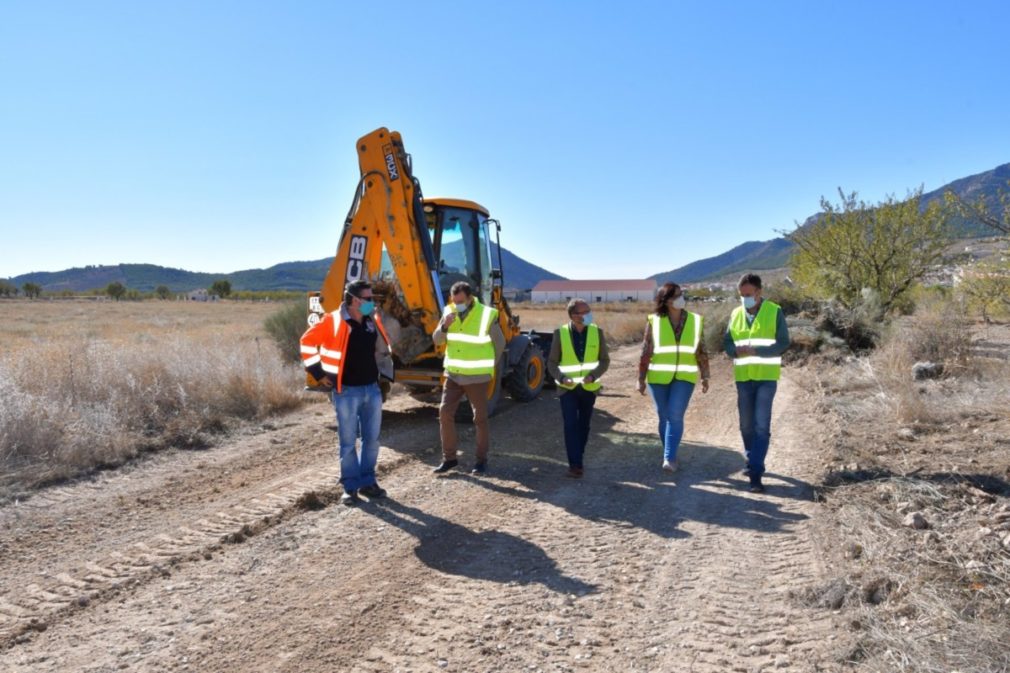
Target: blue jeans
[
  {"x": 671, "y": 404},
  {"x": 754, "y": 400},
  {"x": 576, "y": 412},
  {"x": 359, "y": 412}
]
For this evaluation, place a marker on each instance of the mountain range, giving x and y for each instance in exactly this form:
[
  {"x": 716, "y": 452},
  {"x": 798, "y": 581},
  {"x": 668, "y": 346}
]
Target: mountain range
[
  {"x": 774, "y": 254},
  {"x": 308, "y": 275},
  {"x": 299, "y": 276}
]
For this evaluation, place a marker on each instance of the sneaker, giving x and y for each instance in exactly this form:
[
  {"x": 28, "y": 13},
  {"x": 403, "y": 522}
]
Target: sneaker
[
  {"x": 670, "y": 465},
  {"x": 445, "y": 466},
  {"x": 350, "y": 498},
  {"x": 479, "y": 468},
  {"x": 372, "y": 492},
  {"x": 757, "y": 487}
]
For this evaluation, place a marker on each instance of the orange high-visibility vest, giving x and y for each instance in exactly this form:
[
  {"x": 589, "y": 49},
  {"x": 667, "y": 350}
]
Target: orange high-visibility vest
[{"x": 326, "y": 341}]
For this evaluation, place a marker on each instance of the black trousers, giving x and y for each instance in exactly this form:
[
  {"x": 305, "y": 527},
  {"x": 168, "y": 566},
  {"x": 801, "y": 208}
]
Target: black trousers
[{"x": 576, "y": 411}]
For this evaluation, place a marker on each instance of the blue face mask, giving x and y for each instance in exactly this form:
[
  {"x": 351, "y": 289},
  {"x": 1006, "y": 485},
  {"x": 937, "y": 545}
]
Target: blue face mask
[
  {"x": 748, "y": 302},
  {"x": 367, "y": 307},
  {"x": 587, "y": 318}
]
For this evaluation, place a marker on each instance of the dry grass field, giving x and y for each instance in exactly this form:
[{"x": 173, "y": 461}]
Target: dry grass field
[{"x": 94, "y": 383}]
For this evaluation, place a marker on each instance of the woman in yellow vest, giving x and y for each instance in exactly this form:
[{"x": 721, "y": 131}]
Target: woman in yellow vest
[
  {"x": 673, "y": 359},
  {"x": 756, "y": 337},
  {"x": 577, "y": 360}
]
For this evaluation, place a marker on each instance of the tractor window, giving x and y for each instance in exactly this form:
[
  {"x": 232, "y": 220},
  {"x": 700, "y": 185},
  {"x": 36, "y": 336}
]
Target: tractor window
[{"x": 462, "y": 251}]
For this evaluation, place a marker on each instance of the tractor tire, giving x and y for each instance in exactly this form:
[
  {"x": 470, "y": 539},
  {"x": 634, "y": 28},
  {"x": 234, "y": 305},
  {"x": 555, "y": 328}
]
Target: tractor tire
[{"x": 526, "y": 379}]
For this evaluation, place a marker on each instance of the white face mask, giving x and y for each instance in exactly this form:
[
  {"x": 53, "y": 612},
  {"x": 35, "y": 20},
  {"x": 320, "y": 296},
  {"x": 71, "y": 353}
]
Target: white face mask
[
  {"x": 460, "y": 307},
  {"x": 748, "y": 302},
  {"x": 679, "y": 302}
]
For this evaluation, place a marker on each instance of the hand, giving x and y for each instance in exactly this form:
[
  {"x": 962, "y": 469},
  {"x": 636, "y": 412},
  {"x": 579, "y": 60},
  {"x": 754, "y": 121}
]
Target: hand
[
  {"x": 704, "y": 385},
  {"x": 326, "y": 382},
  {"x": 567, "y": 381},
  {"x": 589, "y": 379},
  {"x": 448, "y": 320},
  {"x": 745, "y": 351},
  {"x": 641, "y": 387}
]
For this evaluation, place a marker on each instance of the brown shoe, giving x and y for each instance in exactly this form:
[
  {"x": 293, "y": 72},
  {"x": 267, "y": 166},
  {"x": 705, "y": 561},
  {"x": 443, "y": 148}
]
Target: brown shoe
[{"x": 574, "y": 473}]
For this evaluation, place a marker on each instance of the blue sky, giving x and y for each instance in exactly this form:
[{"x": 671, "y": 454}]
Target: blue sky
[{"x": 611, "y": 140}]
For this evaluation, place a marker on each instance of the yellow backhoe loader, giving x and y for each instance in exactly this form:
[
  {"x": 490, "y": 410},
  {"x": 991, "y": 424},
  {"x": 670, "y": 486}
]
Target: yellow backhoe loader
[{"x": 413, "y": 249}]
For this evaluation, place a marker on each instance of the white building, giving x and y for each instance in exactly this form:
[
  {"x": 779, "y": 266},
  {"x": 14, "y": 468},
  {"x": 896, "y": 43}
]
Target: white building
[{"x": 593, "y": 291}]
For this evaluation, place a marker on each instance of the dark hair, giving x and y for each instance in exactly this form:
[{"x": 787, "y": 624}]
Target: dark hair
[
  {"x": 461, "y": 286},
  {"x": 663, "y": 295},
  {"x": 750, "y": 279},
  {"x": 572, "y": 303},
  {"x": 353, "y": 290}
]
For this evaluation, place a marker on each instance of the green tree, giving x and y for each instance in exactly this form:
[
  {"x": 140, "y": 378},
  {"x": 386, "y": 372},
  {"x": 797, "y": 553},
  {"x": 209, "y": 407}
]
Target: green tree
[
  {"x": 162, "y": 292},
  {"x": 31, "y": 290},
  {"x": 979, "y": 211},
  {"x": 221, "y": 288},
  {"x": 116, "y": 290},
  {"x": 7, "y": 288},
  {"x": 855, "y": 247},
  {"x": 986, "y": 287}
]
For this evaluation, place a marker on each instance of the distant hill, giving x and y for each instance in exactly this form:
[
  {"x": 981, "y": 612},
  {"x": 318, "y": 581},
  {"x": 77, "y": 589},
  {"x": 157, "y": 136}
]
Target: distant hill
[
  {"x": 519, "y": 273},
  {"x": 300, "y": 276},
  {"x": 774, "y": 254},
  {"x": 753, "y": 255}
]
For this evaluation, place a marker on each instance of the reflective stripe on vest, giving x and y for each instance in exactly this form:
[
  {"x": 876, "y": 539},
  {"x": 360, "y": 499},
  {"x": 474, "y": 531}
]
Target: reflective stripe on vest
[
  {"x": 324, "y": 344},
  {"x": 469, "y": 347},
  {"x": 571, "y": 366},
  {"x": 761, "y": 332},
  {"x": 672, "y": 359}
]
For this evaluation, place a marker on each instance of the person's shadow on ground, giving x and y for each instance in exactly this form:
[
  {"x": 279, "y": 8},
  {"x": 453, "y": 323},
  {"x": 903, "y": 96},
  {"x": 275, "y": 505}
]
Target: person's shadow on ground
[
  {"x": 624, "y": 483},
  {"x": 487, "y": 555}
]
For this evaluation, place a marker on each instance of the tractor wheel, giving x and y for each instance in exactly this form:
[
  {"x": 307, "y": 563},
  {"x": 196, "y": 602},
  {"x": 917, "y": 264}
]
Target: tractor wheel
[{"x": 526, "y": 380}]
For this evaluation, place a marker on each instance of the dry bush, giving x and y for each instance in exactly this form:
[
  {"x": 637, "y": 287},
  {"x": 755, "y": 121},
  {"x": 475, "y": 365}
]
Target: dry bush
[
  {"x": 938, "y": 332},
  {"x": 70, "y": 402},
  {"x": 286, "y": 326}
]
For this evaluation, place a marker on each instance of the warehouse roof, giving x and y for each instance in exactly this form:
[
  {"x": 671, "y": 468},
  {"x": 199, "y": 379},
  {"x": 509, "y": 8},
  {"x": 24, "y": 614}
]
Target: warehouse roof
[{"x": 587, "y": 285}]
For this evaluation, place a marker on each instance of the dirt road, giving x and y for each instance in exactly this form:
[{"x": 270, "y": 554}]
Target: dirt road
[{"x": 234, "y": 559}]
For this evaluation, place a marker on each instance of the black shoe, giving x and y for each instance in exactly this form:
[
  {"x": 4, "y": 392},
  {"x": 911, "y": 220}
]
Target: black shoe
[
  {"x": 757, "y": 487},
  {"x": 445, "y": 466},
  {"x": 479, "y": 468},
  {"x": 372, "y": 492},
  {"x": 350, "y": 498}
]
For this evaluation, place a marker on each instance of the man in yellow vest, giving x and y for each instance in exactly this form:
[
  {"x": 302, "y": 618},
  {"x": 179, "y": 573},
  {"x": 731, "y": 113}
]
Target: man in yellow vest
[
  {"x": 577, "y": 360},
  {"x": 756, "y": 337},
  {"x": 474, "y": 344}
]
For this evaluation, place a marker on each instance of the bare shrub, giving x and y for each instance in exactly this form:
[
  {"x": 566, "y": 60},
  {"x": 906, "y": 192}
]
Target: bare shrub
[{"x": 937, "y": 332}]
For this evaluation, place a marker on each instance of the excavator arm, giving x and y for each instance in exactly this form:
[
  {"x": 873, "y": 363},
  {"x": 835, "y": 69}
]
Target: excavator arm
[{"x": 387, "y": 212}]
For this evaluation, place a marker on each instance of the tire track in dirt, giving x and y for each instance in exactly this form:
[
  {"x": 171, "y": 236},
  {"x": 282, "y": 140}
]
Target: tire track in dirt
[
  {"x": 520, "y": 570},
  {"x": 200, "y": 532}
]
